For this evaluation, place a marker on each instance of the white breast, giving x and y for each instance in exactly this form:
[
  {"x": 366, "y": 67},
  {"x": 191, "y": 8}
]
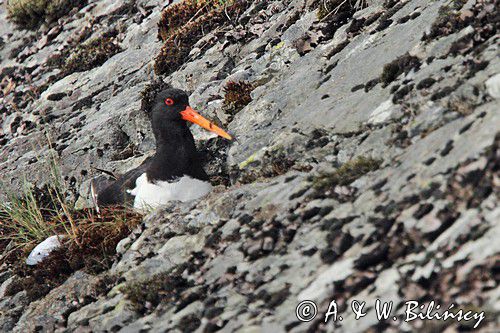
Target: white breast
[{"x": 151, "y": 195}]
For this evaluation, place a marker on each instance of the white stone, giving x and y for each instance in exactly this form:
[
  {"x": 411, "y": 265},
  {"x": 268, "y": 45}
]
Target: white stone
[
  {"x": 382, "y": 113},
  {"x": 42, "y": 250},
  {"x": 493, "y": 86}
]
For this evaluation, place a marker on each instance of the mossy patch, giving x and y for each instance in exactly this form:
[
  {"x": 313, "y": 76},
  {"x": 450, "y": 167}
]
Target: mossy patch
[
  {"x": 481, "y": 17},
  {"x": 273, "y": 163},
  {"x": 37, "y": 283},
  {"x": 189, "y": 323},
  {"x": 346, "y": 174},
  {"x": 90, "y": 54},
  {"x": 461, "y": 105},
  {"x": 182, "y": 26},
  {"x": 177, "y": 15},
  {"x": 162, "y": 287},
  {"x": 237, "y": 96},
  {"x": 395, "y": 68},
  {"x": 32, "y": 13},
  {"x": 448, "y": 21}
]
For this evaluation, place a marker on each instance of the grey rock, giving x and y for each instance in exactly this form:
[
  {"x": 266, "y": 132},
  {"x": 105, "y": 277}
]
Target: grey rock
[{"x": 247, "y": 254}]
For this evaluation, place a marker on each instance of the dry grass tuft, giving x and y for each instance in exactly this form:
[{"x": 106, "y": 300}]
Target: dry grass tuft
[
  {"x": 88, "y": 239},
  {"x": 180, "y": 14},
  {"x": 328, "y": 8},
  {"x": 93, "y": 245},
  {"x": 92, "y": 249}
]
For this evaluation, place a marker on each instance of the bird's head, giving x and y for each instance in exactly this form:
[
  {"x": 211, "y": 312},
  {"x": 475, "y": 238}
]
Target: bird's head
[{"x": 173, "y": 105}]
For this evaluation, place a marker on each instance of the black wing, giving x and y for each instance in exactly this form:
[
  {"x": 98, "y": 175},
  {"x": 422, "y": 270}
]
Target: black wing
[{"x": 116, "y": 193}]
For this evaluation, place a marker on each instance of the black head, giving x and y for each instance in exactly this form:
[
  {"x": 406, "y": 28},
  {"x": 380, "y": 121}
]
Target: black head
[
  {"x": 168, "y": 105},
  {"x": 171, "y": 108}
]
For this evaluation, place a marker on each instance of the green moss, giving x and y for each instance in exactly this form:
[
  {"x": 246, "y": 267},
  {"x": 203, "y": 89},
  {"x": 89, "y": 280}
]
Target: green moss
[
  {"x": 347, "y": 173},
  {"x": 237, "y": 96},
  {"x": 248, "y": 161},
  {"x": 91, "y": 54},
  {"x": 32, "y": 13}
]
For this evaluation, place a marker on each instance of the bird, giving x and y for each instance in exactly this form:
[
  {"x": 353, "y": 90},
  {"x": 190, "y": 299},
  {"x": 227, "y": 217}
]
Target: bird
[{"x": 175, "y": 171}]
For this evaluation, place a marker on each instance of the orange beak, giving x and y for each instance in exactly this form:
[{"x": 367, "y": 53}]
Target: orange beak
[{"x": 191, "y": 115}]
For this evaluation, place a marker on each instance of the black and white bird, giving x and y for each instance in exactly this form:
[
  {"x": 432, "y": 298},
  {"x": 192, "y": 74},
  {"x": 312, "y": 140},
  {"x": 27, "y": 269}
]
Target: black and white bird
[{"x": 175, "y": 171}]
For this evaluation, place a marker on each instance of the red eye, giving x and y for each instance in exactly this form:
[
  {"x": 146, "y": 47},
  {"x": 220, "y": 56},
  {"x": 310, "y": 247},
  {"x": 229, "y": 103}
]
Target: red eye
[{"x": 169, "y": 101}]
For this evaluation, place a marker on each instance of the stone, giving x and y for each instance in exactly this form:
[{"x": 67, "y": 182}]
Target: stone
[
  {"x": 493, "y": 86},
  {"x": 244, "y": 256}
]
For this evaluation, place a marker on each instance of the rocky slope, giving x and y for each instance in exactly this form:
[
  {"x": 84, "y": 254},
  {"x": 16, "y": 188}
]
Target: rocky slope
[{"x": 366, "y": 164}]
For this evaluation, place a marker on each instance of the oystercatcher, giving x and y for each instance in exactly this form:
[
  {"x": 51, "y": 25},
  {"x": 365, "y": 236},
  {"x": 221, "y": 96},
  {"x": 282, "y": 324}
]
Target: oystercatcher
[{"x": 175, "y": 172}]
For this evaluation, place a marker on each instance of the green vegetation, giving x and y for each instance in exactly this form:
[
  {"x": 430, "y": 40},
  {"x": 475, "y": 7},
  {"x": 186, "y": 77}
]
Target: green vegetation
[
  {"x": 36, "y": 214},
  {"x": 90, "y": 54},
  {"x": 32, "y": 13},
  {"x": 347, "y": 173},
  {"x": 89, "y": 239},
  {"x": 274, "y": 162}
]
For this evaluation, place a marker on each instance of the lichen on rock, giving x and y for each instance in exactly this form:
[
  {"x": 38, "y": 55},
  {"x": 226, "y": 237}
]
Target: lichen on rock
[{"x": 364, "y": 165}]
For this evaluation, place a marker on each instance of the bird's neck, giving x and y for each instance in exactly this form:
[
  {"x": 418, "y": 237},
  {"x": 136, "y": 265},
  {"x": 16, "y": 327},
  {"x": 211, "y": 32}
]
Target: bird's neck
[
  {"x": 175, "y": 153},
  {"x": 170, "y": 137}
]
